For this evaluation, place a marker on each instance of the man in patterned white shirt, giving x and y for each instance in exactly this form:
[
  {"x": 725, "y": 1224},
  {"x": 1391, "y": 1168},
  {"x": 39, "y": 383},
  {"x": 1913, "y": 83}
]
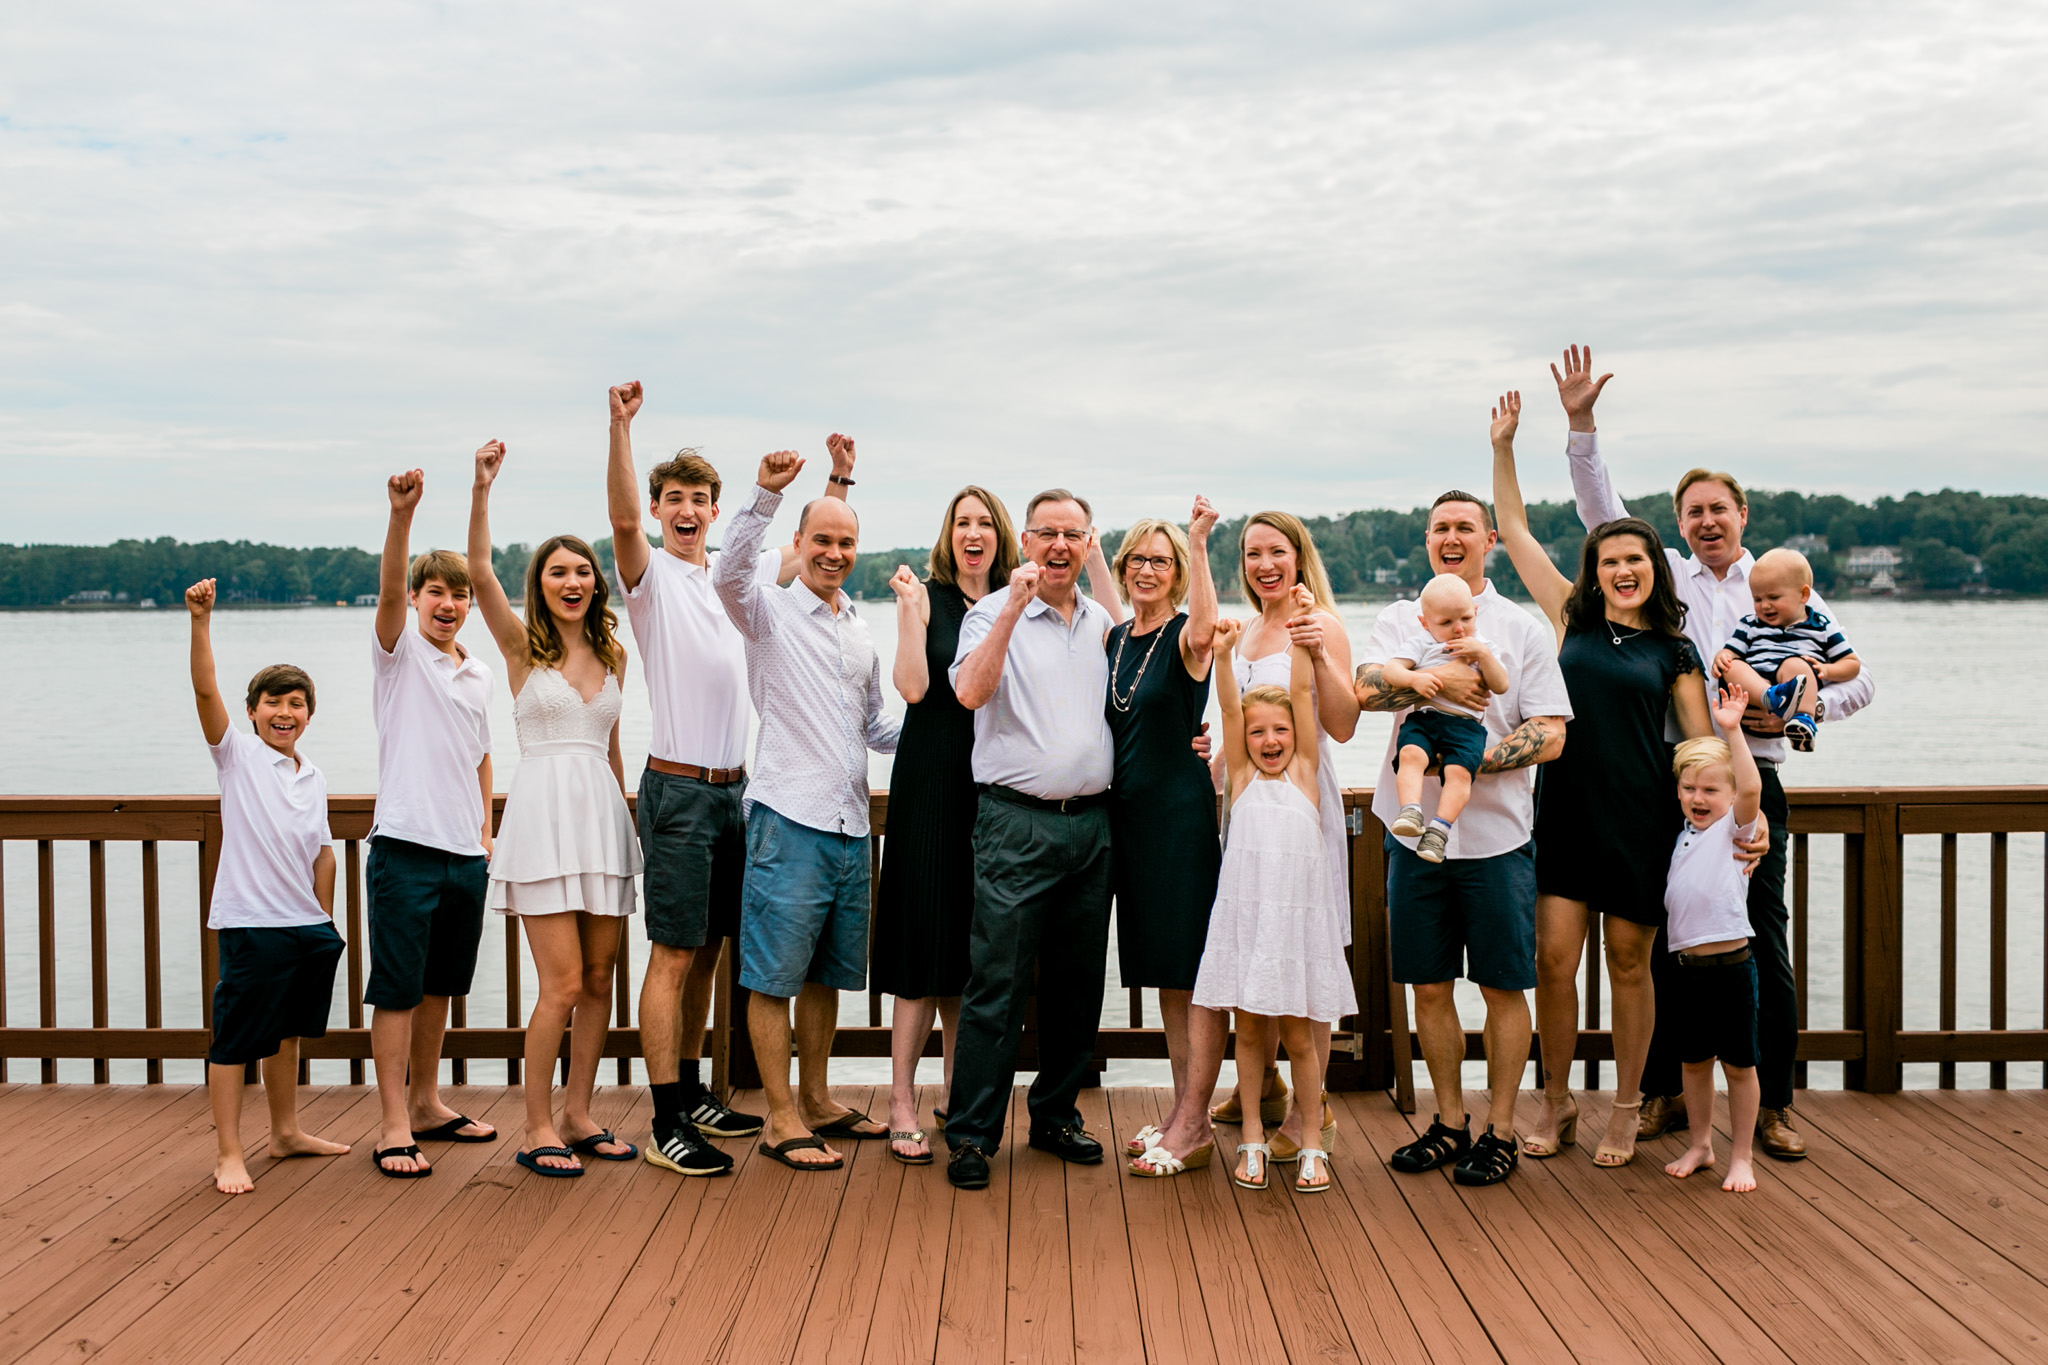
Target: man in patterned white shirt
[{"x": 816, "y": 681}]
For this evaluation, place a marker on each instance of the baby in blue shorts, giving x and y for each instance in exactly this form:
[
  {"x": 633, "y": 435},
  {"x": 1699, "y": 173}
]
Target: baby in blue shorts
[{"x": 1438, "y": 733}]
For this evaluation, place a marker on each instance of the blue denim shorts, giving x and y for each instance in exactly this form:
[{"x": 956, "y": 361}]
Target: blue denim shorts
[{"x": 804, "y": 909}]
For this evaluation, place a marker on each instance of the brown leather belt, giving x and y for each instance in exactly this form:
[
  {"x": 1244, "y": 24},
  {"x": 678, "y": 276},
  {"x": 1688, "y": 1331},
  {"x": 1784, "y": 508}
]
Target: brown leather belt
[
  {"x": 1733, "y": 958},
  {"x": 717, "y": 777}
]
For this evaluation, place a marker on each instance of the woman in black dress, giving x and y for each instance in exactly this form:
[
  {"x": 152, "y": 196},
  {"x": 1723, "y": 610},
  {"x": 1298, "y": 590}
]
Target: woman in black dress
[
  {"x": 926, "y": 900},
  {"x": 1607, "y": 808},
  {"x": 1162, "y": 810}
]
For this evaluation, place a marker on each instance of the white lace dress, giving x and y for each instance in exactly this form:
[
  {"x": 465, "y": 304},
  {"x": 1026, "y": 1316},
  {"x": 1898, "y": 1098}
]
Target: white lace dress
[
  {"x": 1275, "y": 943},
  {"x": 1274, "y": 670},
  {"x": 567, "y": 842}
]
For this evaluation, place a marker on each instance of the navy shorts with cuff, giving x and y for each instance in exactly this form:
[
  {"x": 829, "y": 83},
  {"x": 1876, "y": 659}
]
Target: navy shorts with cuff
[
  {"x": 1450, "y": 741},
  {"x": 426, "y": 919},
  {"x": 276, "y": 982},
  {"x": 693, "y": 841},
  {"x": 1469, "y": 917},
  {"x": 1713, "y": 1010}
]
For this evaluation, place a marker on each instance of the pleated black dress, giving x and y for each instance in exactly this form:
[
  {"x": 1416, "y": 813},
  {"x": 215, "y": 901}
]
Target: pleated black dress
[
  {"x": 926, "y": 901},
  {"x": 1162, "y": 812}
]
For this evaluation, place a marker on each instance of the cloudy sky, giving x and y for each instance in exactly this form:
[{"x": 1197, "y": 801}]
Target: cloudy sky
[{"x": 253, "y": 261}]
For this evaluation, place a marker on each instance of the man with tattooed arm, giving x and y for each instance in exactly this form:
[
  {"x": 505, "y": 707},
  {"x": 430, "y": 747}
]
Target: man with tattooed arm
[{"x": 1473, "y": 914}]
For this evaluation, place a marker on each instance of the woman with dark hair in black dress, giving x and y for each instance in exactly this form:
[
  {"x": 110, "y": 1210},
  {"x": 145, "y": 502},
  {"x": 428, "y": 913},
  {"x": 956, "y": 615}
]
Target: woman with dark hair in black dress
[
  {"x": 1162, "y": 810},
  {"x": 1607, "y": 808},
  {"x": 926, "y": 900}
]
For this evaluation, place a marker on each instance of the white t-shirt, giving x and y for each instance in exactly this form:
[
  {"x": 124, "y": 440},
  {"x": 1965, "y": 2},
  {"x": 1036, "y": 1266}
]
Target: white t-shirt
[
  {"x": 1705, "y": 892},
  {"x": 1427, "y": 651},
  {"x": 273, "y": 818},
  {"x": 695, "y": 660},
  {"x": 1501, "y": 815},
  {"x": 433, "y": 716}
]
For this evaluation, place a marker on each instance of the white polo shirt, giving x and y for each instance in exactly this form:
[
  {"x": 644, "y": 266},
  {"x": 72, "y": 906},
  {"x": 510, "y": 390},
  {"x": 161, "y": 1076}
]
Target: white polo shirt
[
  {"x": 433, "y": 716},
  {"x": 695, "y": 660},
  {"x": 273, "y": 817},
  {"x": 1044, "y": 732},
  {"x": 1501, "y": 815},
  {"x": 1706, "y": 892}
]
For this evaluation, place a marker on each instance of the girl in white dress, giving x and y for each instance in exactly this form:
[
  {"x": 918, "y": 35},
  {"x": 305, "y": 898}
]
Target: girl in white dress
[
  {"x": 1275, "y": 951},
  {"x": 566, "y": 853}
]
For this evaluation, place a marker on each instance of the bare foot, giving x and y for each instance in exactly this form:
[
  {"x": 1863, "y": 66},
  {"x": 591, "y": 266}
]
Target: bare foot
[
  {"x": 1697, "y": 1157},
  {"x": 304, "y": 1144},
  {"x": 774, "y": 1136},
  {"x": 1741, "y": 1178},
  {"x": 537, "y": 1138},
  {"x": 230, "y": 1176},
  {"x": 392, "y": 1161}
]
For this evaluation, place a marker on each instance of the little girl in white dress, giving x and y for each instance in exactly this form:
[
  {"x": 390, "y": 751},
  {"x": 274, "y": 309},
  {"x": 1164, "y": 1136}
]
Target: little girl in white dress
[{"x": 1275, "y": 951}]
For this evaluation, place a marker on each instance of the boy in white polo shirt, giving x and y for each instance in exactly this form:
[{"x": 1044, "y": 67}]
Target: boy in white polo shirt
[
  {"x": 430, "y": 843},
  {"x": 273, "y": 902}
]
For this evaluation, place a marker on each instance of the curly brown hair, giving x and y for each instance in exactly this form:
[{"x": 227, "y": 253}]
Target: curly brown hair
[{"x": 544, "y": 644}]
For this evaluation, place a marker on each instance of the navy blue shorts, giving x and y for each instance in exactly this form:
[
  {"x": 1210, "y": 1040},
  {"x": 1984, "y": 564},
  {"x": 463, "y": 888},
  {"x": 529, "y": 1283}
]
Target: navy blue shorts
[
  {"x": 1469, "y": 917},
  {"x": 804, "y": 913},
  {"x": 1450, "y": 741},
  {"x": 1712, "y": 1010},
  {"x": 693, "y": 837},
  {"x": 275, "y": 983},
  {"x": 426, "y": 917}
]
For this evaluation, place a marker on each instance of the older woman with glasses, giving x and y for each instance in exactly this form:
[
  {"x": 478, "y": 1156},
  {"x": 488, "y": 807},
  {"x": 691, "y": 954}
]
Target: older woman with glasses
[{"x": 1162, "y": 813}]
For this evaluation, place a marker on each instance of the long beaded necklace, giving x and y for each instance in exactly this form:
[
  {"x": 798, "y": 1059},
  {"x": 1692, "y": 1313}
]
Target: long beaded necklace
[{"x": 1116, "y": 669}]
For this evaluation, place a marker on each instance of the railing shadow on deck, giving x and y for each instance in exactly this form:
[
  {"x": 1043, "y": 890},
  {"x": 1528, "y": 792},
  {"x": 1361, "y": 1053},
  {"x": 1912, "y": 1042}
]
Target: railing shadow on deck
[{"x": 1370, "y": 1051}]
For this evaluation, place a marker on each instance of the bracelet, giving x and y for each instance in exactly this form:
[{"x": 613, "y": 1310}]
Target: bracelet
[{"x": 834, "y": 478}]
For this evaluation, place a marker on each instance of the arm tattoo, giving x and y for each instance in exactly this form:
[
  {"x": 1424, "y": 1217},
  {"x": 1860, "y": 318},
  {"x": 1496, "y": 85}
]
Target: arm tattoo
[
  {"x": 1522, "y": 746},
  {"x": 1375, "y": 693}
]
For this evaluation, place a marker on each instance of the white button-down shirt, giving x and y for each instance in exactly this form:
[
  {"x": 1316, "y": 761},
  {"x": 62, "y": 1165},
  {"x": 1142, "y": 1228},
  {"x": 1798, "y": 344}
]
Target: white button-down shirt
[
  {"x": 695, "y": 661},
  {"x": 273, "y": 824},
  {"x": 1713, "y": 605},
  {"x": 1501, "y": 816},
  {"x": 433, "y": 715},
  {"x": 816, "y": 680},
  {"x": 1044, "y": 731}
]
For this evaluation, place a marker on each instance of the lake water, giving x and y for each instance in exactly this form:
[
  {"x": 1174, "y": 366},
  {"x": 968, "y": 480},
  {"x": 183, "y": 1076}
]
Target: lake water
[{"x": 128, "y": 726}]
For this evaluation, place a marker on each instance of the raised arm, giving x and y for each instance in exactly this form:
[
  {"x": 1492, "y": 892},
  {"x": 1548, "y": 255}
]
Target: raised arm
[
  {"x": 912, "y": 673},
  {"x": 1301, "y": 692},
  {"x": 1322, "y": 634},
  {"x": 1749, "y": 783},
  {"x": 732, "y": 576},
  {"x": 1236, "y": 758},
  {"x": 980, "y": 671},
  {"x": 837, "y": 485},
  {"x": 505, "y": 626},
  {"x": 622, "y": 488},
  {"x": 1549, "y": 587},
  {"x": 404, "y": 491},
  {"x": 1101, "y": 582},
  {"x": 1195, "y": 636},
  {"x": 213, "y": 712},
  {"x": 1577, "y": 390}
]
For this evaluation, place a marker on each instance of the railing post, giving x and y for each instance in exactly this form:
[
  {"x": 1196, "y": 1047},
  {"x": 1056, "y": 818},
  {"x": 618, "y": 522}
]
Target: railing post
[
  {"x": 3, "y": 952},
  {"x": 209, "y": 945},
  {"x": 1998, "y": 956},
  {"x": 1882, "y": 949},
  {"x": 352, "y": 854},
  {"x": 96, "y": 881},
  {"x": 1370, "y": 973},
  {"x": 1852, "y": 951},
  {"x": 1800, "y": 867},
  {"x": 46, "y": 944},
  {"x": 152, "y": 959}
]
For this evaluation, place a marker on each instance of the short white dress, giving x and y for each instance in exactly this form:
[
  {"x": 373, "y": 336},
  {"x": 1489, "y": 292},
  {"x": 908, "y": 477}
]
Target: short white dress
[
  {"x": 1276, "y": 670},
  {"x": 1275, "y": 943},
  {"x": 567, "y": 842}
]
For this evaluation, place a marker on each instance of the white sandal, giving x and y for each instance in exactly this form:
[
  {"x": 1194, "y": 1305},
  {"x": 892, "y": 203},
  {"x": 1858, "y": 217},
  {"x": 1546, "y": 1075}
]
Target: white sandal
[
  {"x": 1164, "y": 1163},
  {"x": 1147, "y": 1138},
  {"x": 1255, "y": 1154},
  {"x": 1310, "y": 1156}
]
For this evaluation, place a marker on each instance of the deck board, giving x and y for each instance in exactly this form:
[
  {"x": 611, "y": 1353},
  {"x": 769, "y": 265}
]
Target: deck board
[{"x": 1917, "y": 1229}]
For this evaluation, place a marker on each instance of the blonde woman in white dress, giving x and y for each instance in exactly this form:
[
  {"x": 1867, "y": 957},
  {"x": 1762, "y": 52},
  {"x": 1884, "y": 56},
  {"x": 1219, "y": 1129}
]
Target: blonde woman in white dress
[{"x": 566, "y": 853}]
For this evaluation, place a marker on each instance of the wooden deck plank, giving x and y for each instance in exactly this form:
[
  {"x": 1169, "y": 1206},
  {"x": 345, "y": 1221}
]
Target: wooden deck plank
[
  {"x": 1039, "y": 1325},
  {"x": 905, "y": 1323},
  {"x": 1931, "y": 1126},
  {"x": 83, "y": 1135},
  {"x": 1241, "y": 1321},
  {"x": 971, "y": 1301},
  {"x": 1172, "y": 1318},
  {"x": 1290, "y": 1266},
  {"x": 1105, "y": 1294},
  {"x": 841, "y": 1310},
  {"x": 2017, "y": 1119}
]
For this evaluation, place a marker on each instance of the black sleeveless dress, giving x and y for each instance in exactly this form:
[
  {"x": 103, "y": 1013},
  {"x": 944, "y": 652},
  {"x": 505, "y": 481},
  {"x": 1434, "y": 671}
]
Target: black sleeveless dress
[
  {"x": 1607, "y": 808},
  {"x": 925, "y": 905},
  {"x": 1162, "y": 810}
]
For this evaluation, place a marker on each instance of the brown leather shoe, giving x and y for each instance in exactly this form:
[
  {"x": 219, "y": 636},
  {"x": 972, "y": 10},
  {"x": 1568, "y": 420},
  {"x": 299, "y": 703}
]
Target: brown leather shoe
[
  {"x": 1776, "y": 1135},
  {"x": 1662, "y": 1114}
]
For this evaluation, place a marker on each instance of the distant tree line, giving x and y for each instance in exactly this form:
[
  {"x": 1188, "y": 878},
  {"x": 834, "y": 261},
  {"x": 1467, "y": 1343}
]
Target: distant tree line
[{"x": 1948, "y": 539}]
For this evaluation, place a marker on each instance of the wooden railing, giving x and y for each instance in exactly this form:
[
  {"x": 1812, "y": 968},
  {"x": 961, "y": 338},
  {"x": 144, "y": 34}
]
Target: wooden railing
[{"x": 1372, "y": 1051}]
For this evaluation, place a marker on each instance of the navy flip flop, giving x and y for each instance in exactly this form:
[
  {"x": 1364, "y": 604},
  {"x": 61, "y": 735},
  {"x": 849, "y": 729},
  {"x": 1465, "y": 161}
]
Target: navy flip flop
[
  {"x": 588, "y": 1147},
  {"x": 531, "y": 1161},
  {"x": 451, "y": 1131}
]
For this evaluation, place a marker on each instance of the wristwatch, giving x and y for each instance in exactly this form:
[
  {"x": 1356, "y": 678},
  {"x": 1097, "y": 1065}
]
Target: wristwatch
[{"x": 843, "y": 483}]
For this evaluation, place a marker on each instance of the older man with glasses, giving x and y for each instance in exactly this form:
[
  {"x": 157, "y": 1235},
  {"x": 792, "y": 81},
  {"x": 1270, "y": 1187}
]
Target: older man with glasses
[{"x": 1031, "y": 667}]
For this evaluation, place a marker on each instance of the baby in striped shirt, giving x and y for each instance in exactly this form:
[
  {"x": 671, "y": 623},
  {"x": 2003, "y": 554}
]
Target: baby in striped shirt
[{"x": 1784, "y": 652}]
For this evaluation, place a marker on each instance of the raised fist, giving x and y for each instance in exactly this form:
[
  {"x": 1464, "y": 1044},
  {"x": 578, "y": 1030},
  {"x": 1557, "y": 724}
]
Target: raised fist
[
  {"x": 626, "y": 400},
  {"x": 1024, "y": 582},
  {"x": 405, "y": 490},
  {"x": 199, "y": 598},
  {"x": 840, "y": 448},
  {"x": 779, "y": 469},
  {"x": 1304, "y": 600},
  {"x": 909, "y": 591},
  {"x": 1227, "y": 632},
  {"x": 490, "y": 458},
  {"x": 1202, "y": 520}
]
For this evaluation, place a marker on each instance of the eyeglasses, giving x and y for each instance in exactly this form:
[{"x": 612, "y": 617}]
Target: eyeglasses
[
  {"x": 1156, "y": 563},
  {"x": 1049, "y": 536}
]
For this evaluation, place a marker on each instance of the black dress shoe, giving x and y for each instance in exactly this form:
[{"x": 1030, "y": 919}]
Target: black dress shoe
[
  {"x": 1069, "y": 1142},
  {"x": 967, "y": 1168}
]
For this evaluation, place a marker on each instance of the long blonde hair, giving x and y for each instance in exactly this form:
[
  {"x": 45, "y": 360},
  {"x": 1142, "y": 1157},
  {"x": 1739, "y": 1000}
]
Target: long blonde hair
[
  {"x": 1140, "y": 532},
  {"x": 1002, "y": 560},
  {"x": 1309, "y": 571},
  {"x": 544, "y": 645}
]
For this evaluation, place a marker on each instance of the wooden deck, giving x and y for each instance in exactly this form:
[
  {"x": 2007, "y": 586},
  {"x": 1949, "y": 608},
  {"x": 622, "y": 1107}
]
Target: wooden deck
[{"x": 1918, "y": 1231}]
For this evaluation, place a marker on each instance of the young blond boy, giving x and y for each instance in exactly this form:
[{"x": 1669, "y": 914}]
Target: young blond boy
[
  {"x": 1713, "y": 1003},
  {"x": 273, "y": 902},
  {"x": 1784, "y": 651},
  {"x": 1438, "y": 732}
]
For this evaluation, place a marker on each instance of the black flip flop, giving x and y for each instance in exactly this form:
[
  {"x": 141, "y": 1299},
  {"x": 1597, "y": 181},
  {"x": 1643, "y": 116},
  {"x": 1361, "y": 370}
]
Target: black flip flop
[
  {"x": 412, "y": 1151},
  {"x": 847, "y": 1126},
  {"x": 588, "y": 1147},
  {"x": 780, "y": 1152},
  {"x": 451, "y": 1132},
  {"x": 531, "y": 1161}
]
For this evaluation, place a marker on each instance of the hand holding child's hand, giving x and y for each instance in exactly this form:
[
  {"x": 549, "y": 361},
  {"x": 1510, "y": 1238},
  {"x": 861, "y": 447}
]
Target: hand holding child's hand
[
  {"x": 199, "y": 599},
  {"x": 1727, "y": 712},
  {"x": 779, "y": 470},
  {"x": 1752, "y": 852},
  {"x": 1226, "y": 634},
  {"x": 490, "y": 459},
  {"x": 405, "y": 489},
  {"x": 1202, "y": 520}
]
